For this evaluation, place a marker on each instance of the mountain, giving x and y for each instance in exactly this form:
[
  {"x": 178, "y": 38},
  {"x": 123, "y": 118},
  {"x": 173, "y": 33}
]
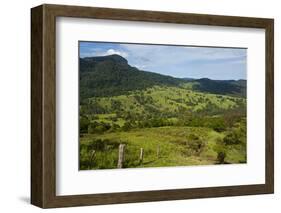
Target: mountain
[
  {"x": 112, "y": 75},
  {"x": 223, "y": 87}
]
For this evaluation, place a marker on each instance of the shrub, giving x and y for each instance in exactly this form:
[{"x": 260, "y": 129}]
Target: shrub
[
  {"x": 218, "y": 125},
  {"x": 220, "y": 149},
  {"x": 115, "y": 127},
  {"x": 232, "y": 138},
  {"x": 220, "y": 157},
  {"x": 84, "y": 123},
  {"x": 127, "y": 126},
  {"x": 96, "y": 127},
  {"x": 195, "y": 143}
]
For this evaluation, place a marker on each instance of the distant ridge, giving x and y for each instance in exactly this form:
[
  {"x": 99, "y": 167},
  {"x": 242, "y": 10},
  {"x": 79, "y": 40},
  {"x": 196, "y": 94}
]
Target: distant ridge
[
  {"x": 230, "y": 87},
  {"x": 112, "y": 75}
]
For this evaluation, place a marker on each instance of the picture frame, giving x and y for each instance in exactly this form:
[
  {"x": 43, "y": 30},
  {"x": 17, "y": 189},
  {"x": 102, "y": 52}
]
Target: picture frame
[{"x": 43, "y": 105}]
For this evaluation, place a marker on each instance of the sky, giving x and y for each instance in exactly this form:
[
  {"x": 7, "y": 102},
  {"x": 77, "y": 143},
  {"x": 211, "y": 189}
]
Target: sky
[{"x": 177, "y": 61}]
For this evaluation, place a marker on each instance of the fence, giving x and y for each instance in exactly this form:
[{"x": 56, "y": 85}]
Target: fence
[{"x": 121, "y": 155}]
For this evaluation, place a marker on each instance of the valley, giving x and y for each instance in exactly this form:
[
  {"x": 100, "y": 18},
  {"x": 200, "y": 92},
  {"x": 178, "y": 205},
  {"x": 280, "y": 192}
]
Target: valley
[{"x": 174, "y": 121}]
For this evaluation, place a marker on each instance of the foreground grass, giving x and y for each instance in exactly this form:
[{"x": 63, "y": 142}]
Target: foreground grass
[{"x": 163, "y": 147}]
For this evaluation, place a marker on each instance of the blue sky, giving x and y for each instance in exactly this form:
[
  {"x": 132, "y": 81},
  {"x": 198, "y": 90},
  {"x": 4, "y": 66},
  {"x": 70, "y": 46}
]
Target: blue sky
[{"x": 177, "y": 61}]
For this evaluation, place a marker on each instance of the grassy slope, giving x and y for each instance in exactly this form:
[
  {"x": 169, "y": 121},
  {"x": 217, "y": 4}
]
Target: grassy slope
[
  {"x": 165, "y": 99},
  {"x": 172, "y": 140}
]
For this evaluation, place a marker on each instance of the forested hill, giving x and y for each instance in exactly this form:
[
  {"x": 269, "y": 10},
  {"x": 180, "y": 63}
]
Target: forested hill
[
  {"x": 223, "y": 87},
  {"x": 112, "y": 75}
]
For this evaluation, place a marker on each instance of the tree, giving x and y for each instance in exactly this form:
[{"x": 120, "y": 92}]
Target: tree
[
  {"x": 84, "y": 123},
  {"x": 115, "y": 127},
  {"x": 221, "y": 150},
  {"x": 232, "y": 138},
  {"x": 127, "y": 126},
  {"x": 218, "y": 124},
  {"x": 96, "y": 127}
]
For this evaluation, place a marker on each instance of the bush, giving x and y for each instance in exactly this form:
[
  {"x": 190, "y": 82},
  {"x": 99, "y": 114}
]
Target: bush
[
  {"x": 220, "y": 157},
  {"x": 195, "y": 143},
  {"x": 96, "y": 127},
  {"x": 84, "y": 123},
  {"x": 218, "y": 125},
  {"x": 220, "y": 149},
  {"x": 232, "y": 138},
  {"x": 115, "y": 127},
  {"x": 127, "y": 126}
]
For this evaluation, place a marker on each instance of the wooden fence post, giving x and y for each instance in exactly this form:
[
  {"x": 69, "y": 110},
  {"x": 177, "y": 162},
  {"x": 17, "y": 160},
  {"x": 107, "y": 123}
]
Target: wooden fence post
[
  {"x": 121, "y": 156},
  {"x": 141, "y": 155},
  {"x": 158, "y": 151},
  {"x": 93, "y": 153}
]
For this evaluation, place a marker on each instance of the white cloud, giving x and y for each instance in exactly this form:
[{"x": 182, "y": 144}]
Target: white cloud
[
  {"x": 112, "y": 52},
  {"x": 139, "y": 66},
  {"x": 181, "y": 54}
]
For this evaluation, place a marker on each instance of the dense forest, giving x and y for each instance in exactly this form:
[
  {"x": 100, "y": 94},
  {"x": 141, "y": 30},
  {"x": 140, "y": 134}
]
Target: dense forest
[{"x": 159, "y": 120}]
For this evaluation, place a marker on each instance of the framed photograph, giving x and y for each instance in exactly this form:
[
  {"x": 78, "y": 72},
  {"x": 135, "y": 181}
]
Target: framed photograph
[{"x": 137, "y": 106}]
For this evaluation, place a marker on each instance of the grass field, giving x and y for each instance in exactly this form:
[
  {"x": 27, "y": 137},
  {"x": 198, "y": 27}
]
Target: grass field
[
  {"x": 163, "y": 146},
  {"x": 175, "y": 126}
]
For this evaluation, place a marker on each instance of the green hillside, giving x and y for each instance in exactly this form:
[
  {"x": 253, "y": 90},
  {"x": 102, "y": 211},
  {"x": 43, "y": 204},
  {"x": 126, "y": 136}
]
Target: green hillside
[
  {"x": 177, "y": 122},
  {"x": 160, "y": 104},
  {"x": 112, "y": 75}
]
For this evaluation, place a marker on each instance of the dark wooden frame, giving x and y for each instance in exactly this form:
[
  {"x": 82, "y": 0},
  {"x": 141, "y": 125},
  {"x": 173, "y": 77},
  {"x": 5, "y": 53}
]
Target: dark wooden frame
[{"x": 43, "y": 105}]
